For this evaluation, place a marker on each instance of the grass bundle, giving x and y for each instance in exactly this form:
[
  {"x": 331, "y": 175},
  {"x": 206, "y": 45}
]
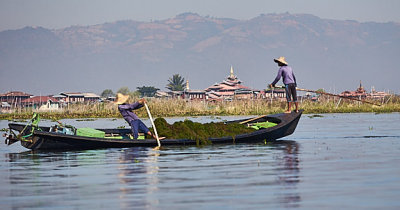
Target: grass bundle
[{"x": 199, "y": 132}]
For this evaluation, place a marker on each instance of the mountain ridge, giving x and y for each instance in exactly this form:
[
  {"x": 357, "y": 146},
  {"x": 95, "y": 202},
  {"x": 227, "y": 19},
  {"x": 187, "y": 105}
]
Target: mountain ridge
[{"x": 323, "y": 53}]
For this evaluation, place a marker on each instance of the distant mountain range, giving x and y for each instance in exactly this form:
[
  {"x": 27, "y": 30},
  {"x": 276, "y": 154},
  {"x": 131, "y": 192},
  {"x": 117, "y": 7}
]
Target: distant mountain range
[{"x": 329, "y": 54}]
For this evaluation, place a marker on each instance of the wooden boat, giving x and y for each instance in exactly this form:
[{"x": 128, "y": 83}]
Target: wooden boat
[{"x": 43, "y": 139}]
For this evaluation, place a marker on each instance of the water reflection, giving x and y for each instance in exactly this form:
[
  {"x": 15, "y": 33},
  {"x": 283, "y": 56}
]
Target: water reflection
[
  {"x": 138, "y": 175},
  {"x": 142, "y": 177},
  {"x": 288, "y": 175}
]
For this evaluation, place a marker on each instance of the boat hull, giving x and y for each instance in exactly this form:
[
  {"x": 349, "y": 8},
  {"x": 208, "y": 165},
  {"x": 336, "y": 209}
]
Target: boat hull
[{"x": 45, "y": 140}]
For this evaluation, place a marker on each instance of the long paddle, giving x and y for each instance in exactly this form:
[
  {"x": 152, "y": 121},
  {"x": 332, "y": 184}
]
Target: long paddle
[
  {"x": 152, "y": 123},
  {"x": 249, "y": 120},
  {"x": 330, "y": 94}
]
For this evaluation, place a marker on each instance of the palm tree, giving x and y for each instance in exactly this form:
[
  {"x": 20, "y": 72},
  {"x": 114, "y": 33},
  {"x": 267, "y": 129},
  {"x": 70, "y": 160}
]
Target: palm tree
[{"x": 176, "y": 83}]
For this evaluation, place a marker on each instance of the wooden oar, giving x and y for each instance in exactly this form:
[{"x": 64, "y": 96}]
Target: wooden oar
[
  {"x": 152, "y": 123},
  {"x": 330, "y": 94},
  {"x": 249, "y": 120}
]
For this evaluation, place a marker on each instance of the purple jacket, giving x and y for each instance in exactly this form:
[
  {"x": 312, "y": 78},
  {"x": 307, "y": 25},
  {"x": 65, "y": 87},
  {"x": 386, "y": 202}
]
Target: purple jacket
[
  {"x": 126, "y": 111},
  {"x": 287, "y": 73}
]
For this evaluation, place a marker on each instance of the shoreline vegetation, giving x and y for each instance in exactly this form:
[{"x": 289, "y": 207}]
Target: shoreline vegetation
[{"x": 182, "y": 108}]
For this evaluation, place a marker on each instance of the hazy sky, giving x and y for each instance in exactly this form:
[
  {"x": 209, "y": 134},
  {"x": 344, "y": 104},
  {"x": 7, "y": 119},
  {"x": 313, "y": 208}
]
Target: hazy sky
[{"x": 53, "y": 14}]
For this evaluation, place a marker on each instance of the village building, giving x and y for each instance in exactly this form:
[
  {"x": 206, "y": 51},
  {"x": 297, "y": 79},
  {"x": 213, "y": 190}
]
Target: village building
[
  {"x": 14, "y": 98},
  {"x": 169, "y": 94},
  {"x": 91, "y": 98},
  {"x": 61, "y": 98},
  {"x": 73, "y": 97},
  {"x": 42, "y": 103},
  {"x": 111, "y": 98},
  {"x": 76, "y": 97},
  {"x": 193, "y": 94},
  {"x": 360, "y": 93},
  {"x": 229, "y": 89},
  {"x": 377, "y": 94},
  {"x": 5, "y": 107},
  {"x": 275, "y": 94},
  {"x": 161, "y": 94},
  {"x": 175, "y": 94}
]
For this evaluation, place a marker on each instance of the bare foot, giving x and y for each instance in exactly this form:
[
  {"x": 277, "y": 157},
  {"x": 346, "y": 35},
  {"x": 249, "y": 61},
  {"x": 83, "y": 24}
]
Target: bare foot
[
  {"x": 297, "y": 111},
  {"x": 288, "y": 112}
]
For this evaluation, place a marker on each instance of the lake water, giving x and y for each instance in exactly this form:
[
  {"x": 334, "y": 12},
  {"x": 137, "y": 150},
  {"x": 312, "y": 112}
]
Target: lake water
[{"x": 337, "y": 161}]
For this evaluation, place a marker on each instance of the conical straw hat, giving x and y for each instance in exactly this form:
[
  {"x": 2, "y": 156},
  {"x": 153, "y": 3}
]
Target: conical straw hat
[
  {"x": 121, "y": 98},
  {"x": 281, "y": 60}
]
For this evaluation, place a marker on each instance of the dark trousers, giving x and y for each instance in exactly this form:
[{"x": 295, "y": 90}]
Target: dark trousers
[
  {"x": 291, "y": 92},
  {"x": 138, "y": 125}
]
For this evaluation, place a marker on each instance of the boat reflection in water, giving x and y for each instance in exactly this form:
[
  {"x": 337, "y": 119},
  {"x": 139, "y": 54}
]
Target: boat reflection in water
[
  {"x": 210, "y": 176},
  {"x": 288, "y": 174},
  {"x": 138, "y": 175},
  {"x": 243, "y": 175}
]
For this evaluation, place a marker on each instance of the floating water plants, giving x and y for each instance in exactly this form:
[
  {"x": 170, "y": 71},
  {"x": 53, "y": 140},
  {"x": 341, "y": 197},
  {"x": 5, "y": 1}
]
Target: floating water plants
[{"x": 200, "y": 132}]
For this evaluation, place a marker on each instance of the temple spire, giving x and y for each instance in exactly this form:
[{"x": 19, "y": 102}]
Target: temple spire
[
  {"x": 187, "y": 84},
  {"x": 232, "y": 76}
]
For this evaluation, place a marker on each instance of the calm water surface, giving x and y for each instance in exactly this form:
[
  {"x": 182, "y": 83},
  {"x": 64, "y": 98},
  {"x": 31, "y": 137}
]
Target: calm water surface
[{"x": 337, "y": 161}]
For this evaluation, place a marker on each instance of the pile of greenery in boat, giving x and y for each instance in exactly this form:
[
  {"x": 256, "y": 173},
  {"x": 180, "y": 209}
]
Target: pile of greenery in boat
[{"x": 188, "y": 129}]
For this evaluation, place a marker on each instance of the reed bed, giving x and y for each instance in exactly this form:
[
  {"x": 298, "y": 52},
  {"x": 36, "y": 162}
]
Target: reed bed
[{"x": 179, "y": 107}]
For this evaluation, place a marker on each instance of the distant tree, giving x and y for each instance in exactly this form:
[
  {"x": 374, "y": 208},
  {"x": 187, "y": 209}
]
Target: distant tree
[
  {"x": 147, "y": 91},
  {"x": 321, "y": 91},
  {"x": 124, "y": 90},
  {"x": 176, "y": 83},
  {"x": 135, "y": 94},
  {"x": 107, "y": 93}
]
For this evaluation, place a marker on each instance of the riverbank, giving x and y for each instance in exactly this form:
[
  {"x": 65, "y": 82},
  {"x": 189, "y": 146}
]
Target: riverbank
[{"x": 180, "y": 108}]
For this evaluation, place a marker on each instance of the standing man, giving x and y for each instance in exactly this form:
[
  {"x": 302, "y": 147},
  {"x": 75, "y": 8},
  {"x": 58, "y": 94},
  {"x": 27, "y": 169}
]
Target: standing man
[
  {"x": 289, "y": 80},
  {"x": 127, "y": 113}
]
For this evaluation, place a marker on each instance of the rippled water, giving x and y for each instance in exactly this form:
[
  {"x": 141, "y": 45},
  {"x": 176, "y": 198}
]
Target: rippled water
[{"x": 335, "y": 161}]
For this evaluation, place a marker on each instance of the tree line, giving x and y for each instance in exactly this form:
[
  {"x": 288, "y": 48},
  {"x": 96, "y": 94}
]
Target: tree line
[{"x": 175, "y": 83}]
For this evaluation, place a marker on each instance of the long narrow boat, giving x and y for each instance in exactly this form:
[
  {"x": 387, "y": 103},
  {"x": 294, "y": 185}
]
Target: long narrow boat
[{"x": 41, "y": 138}]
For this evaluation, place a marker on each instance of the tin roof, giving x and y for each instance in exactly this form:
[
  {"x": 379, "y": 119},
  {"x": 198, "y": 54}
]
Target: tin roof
[
  {"x": 15, "y": 94},
  {"x": 59, "y": 96},
  {"x": 39, "y": 99},
  {"x": 91, "y": 95},
  {"x": 72, "y": 94}
]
